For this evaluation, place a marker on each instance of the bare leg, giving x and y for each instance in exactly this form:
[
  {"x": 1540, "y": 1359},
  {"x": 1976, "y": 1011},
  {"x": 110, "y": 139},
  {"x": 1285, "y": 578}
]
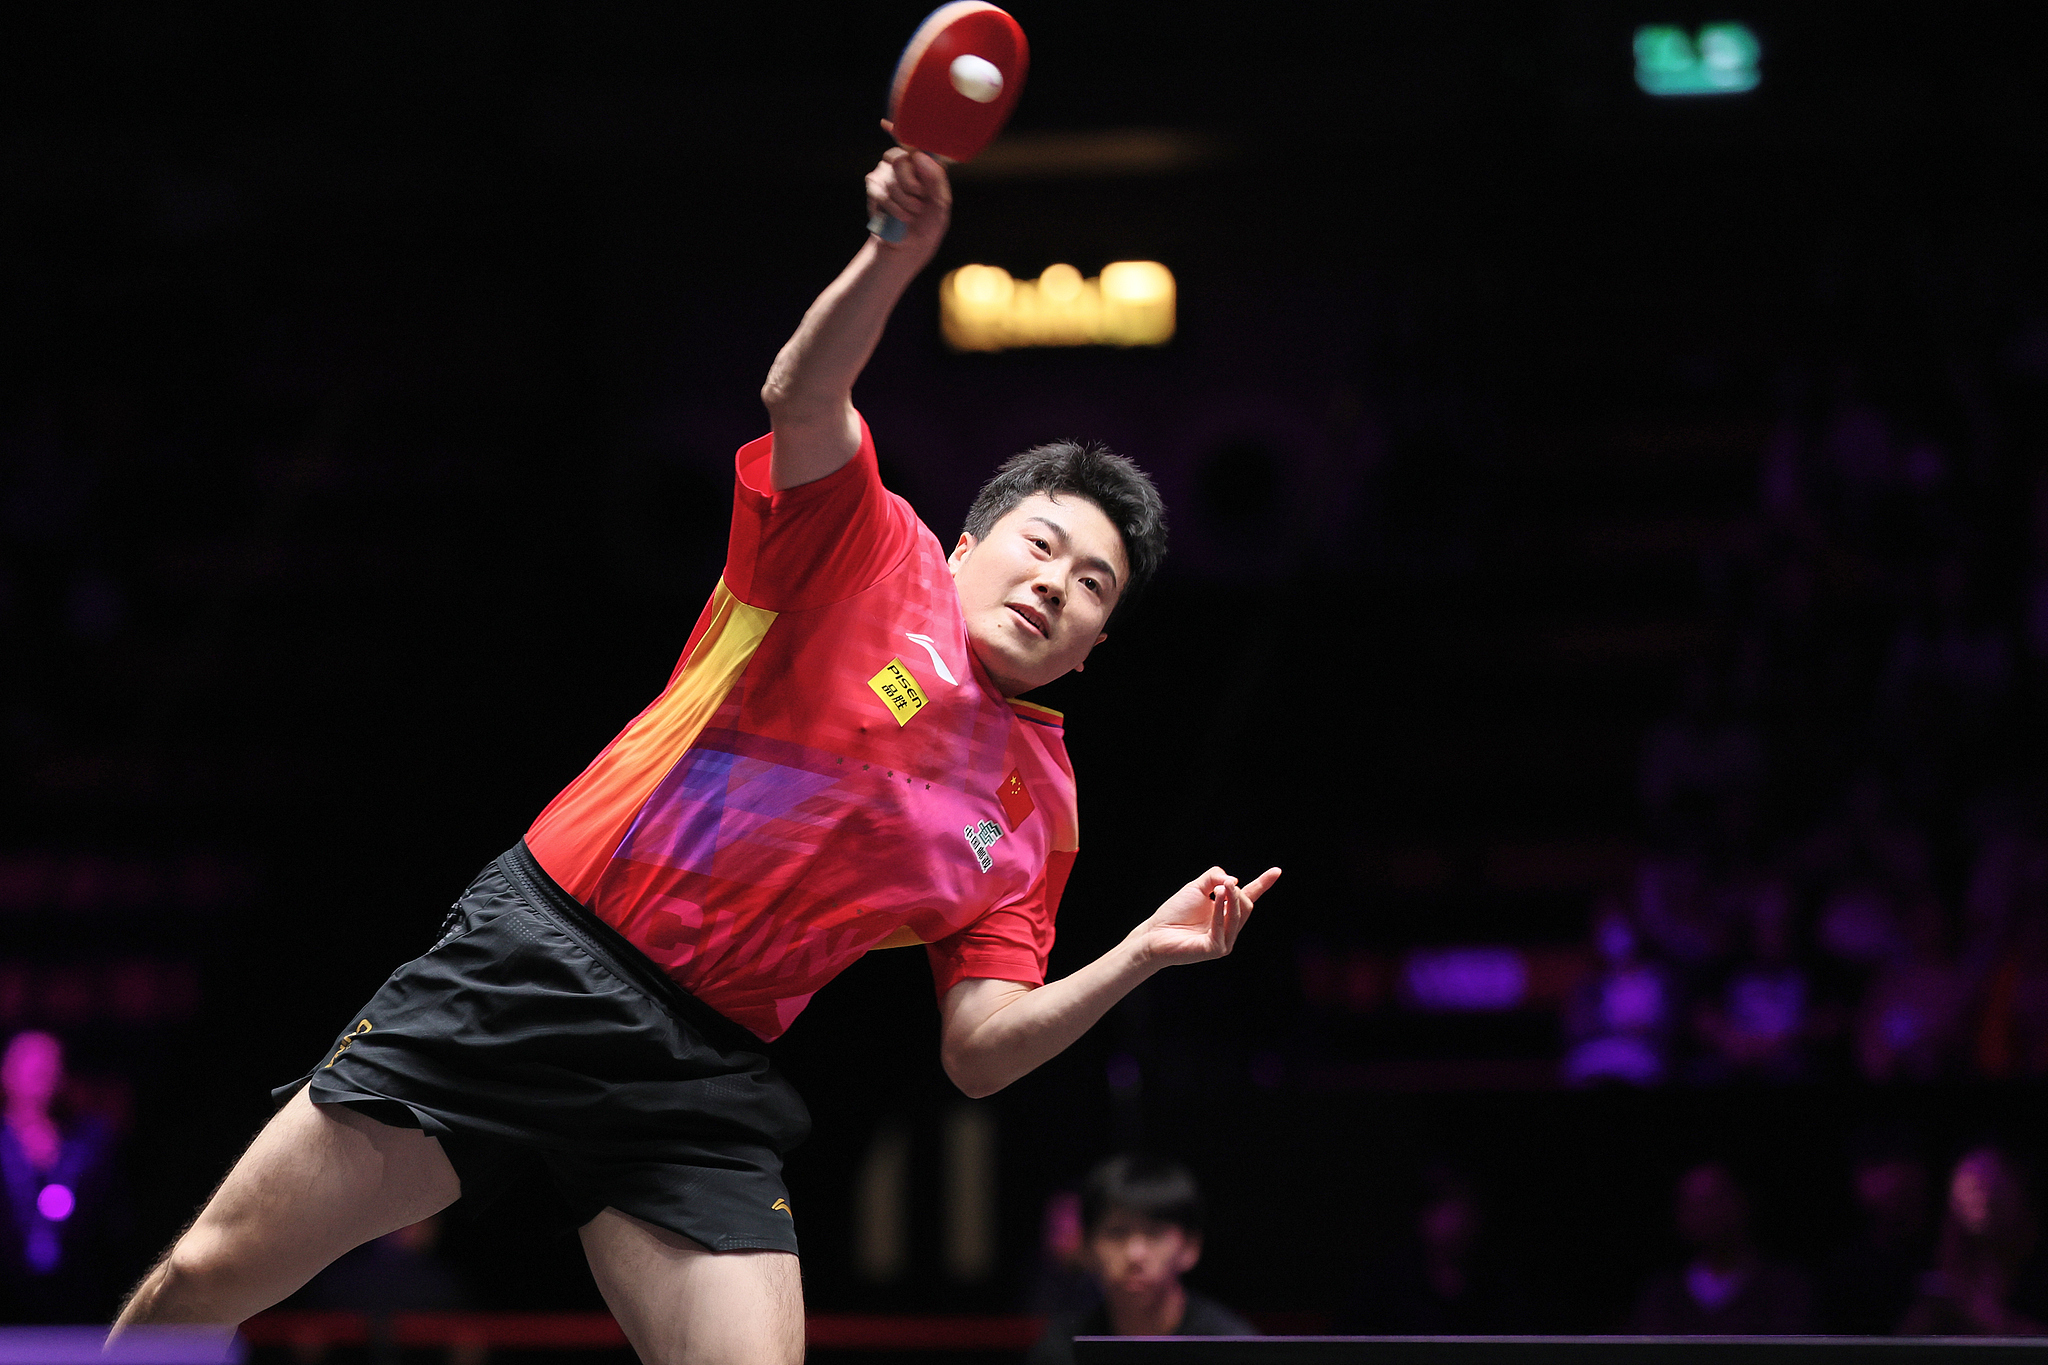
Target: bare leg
[
  {"x": 683, "y": 1305},
  {"x": 317, "y": 1181}
]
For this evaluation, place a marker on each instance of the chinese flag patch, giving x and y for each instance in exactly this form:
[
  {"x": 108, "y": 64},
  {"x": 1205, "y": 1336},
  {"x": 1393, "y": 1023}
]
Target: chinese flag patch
[{"x": 1016, "y": 800}]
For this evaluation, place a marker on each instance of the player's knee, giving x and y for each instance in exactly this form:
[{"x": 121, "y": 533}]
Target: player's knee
[{"x": 200, "y": 1269}]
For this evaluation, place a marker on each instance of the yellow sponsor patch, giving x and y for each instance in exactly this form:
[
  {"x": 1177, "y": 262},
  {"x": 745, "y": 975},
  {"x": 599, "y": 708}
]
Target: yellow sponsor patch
[{"x": 898, "y": 691}]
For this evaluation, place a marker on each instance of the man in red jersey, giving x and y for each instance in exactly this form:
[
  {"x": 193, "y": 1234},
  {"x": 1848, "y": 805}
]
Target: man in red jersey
[{"x": 840, "y": 762}]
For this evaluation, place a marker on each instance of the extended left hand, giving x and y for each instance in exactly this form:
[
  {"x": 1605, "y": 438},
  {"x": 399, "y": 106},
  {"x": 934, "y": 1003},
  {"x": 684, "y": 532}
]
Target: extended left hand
[{"x": 1202, "y": 919}]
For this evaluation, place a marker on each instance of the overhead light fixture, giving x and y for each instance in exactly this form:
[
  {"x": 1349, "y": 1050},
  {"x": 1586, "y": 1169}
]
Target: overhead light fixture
[
  {"x": 985, "y": 308},
  {"x": 1102, "y": 152},
  {"x": 1721, "y": 59}
]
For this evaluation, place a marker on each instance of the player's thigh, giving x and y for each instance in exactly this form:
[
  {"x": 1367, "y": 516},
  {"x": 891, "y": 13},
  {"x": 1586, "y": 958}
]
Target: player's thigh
[
  {"x": 317, "y": 1181},
  {"x": 683, "y": 1305}
]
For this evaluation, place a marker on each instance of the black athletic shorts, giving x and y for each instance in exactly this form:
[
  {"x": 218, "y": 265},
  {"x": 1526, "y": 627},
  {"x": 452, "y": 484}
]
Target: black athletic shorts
[{"x": 537, "y": 1044}]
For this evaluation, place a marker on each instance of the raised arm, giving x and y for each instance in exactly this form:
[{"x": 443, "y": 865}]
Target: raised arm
[
  {"x": 809, "y": 392},
  {"x": 992, "y": 1032}
]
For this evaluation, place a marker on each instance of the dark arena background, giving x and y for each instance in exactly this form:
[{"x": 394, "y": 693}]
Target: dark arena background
[{"x": 1609, "y": 574}]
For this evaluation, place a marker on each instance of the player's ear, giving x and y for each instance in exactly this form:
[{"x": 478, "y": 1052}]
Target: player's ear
[
  {"x": 960, "y": 552},
  {"x": 1190, "y": 1253}
]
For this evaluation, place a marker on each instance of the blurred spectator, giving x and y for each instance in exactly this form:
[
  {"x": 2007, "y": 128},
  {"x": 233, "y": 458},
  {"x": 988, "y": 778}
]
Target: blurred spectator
[
  {"x": 2012, "y": 1032},
  {"x": 2008, "y": 877},
  {"x": 1985, "y": 1280},
  {"x": 1866, "y": 843},
  {"x": 1870, "y": 1282},
  {"x": 1765, "y": 1018},
  {"x": 1700, "y": 762},
  {"x": 1619, "y": 1020},
  {"x": 1726, "y": 1289},
  {"x": 1859, "y": 924},
  {"x": 1447, "y": 1281},
  {"x": 1142, "y": 1219},
  {"x": 1941, "y": 664},
  {"x": 1677, "y": 911},
  {"x": 1062, "y": 1284},
  {"x": 1913, "y": 1012},
  {"x": 396, "y": 1273},
  {"x": 63, "y": 1217}
]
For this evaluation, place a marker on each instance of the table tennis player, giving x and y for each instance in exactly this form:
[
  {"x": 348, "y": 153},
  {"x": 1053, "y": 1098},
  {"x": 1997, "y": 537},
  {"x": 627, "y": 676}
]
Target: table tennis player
[{"x": 842, "y": 760}]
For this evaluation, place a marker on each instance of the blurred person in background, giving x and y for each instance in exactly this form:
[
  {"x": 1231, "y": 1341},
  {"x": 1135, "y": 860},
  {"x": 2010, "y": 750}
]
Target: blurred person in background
[
  {"x": 1619, "y": 1020},
  {"x": 1985, "y": 1280},
  {"x": 1766, "y": 1018},
  {"x": 399, "y": 1272},
  {"x": 62, "y": 1219},
  {"x": 1870, "y": 862},
  {"x": 1912, "y": 1016},
  {"x": 2012, "y": 1029},
  {"x": 1142, "y": 1221},
  {"x": 1727, "y": 1288},
  {"x": 1449, "y": 1279},
  {"x": 1061, "y": 1283},
  {"x": 1869, "y": 1282}
]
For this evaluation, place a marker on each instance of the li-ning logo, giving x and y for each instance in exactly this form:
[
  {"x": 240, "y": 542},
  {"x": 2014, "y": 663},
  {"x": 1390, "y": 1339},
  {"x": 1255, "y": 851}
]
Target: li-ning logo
[
  {"x": 980, "y": 837},
  {"x": 358, "y": 1031},
  {"x": 931, "y": 647},
  {"x": 782, "y": 1204}
]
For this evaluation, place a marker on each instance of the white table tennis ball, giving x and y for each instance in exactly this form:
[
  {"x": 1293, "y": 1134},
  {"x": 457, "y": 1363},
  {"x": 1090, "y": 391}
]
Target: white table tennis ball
[{"x": 976, "y": 78}]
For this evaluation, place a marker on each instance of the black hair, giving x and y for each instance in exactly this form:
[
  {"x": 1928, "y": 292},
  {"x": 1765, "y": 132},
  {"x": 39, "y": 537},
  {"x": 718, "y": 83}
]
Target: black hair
[
  {"x": 1149, "y": 1186},
  {"x": 1124, "y": 492}
]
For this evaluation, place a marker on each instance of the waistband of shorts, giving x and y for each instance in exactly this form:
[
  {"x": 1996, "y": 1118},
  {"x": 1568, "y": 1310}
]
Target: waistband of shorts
[{"x": 617, "y": 953}]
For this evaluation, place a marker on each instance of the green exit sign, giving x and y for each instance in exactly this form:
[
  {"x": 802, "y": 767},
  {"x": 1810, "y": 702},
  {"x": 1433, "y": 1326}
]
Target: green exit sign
[{"x": 1718, "y": 60}]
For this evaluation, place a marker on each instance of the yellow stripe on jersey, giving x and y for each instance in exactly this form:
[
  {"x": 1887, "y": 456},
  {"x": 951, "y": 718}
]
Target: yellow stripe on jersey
[
  {"x": 672, "y": 724},
  {"x": 904, "y": 937},
  {"x": 610, "y": 791}
]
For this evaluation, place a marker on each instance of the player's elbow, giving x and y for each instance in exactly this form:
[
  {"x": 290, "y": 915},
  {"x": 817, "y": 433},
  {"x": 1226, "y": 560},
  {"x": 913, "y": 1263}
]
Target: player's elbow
[
  {"x": 972, "y": 1070},
  {"x": 796, "y": 410}
]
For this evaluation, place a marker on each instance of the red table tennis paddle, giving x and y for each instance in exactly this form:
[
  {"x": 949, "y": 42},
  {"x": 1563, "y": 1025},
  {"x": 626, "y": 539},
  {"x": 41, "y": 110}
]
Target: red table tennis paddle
[{"x": 955, "y": 85}]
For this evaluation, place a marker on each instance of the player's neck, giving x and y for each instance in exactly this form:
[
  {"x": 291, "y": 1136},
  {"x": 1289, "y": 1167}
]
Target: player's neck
[{"x": 1150, "y": 1315}]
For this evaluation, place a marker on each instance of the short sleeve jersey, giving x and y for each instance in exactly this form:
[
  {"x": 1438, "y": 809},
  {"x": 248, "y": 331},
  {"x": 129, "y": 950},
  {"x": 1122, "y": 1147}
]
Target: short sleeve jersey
[{"x": 828, "y": 771}]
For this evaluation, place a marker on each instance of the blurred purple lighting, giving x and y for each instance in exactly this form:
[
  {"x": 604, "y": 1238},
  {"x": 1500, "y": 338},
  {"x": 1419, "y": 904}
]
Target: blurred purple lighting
[
  {"x": 1465, "y": 979},
  {"x": 56, "y": 1202}
]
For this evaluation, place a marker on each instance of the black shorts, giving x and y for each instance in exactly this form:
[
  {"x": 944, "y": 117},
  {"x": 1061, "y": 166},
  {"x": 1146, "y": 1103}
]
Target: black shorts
[{"x": 536, "y": 1043}]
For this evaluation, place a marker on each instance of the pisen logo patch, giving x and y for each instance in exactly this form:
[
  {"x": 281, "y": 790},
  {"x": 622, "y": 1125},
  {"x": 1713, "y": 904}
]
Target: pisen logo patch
[
  {"x": 981, "y": 838},
  {"x": 898, "y": 691}
]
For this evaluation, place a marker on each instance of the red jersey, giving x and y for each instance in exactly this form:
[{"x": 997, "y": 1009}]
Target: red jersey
[{"x": 829, "y": 770}]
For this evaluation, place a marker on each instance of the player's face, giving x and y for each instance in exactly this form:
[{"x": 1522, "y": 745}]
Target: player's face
[
  {"x": 1136, "y": 1257},
  {"x": 1037, "y": 590}
]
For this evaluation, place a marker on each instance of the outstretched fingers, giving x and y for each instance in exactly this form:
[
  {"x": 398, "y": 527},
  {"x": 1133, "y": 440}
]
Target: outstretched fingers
[{"x": 1233, "y": 902}]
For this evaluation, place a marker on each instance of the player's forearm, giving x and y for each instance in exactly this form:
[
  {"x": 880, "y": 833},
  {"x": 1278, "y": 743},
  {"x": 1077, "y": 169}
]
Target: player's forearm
[
  {"x": 1035, "y": 1026},
  {"x": 811, "y": 382}
]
